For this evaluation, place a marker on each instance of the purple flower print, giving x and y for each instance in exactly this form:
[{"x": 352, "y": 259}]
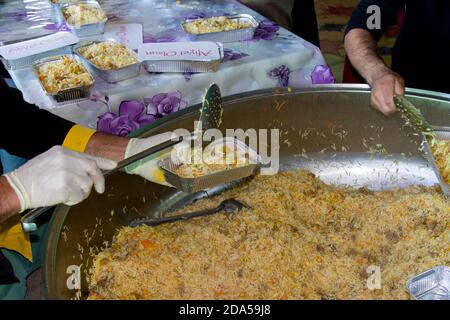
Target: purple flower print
[
  {"x": 132, "y": 115},
  {"x": 164, "y": 103},
  {"x": 57, "y": 27},
  {"x": 130, "y": 118},
  {"x": 104, "y": 122},
  {"x": 192, "y": 15},
  {"x": 99, "y": 97},
  {"x": 322, "y": 74},
  {"x": 266, "y": 30},
  {"x": 304, "y": 76},
  {"x": 195, "y": 15},
  {"x": 18, "y": 15},
  {"x": 282, "y": 74},
  {"x": 171, "y": 35},
  {"x": 123, "y": 125},
  {"x": 151, "y": 39},
  {"x": 188, "y": 75},
  {"x": 230, "y": 55}
]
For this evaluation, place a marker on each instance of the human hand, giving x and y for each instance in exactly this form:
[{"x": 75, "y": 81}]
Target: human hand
[
  {"x": 58, "y": 176},
  {"x": 385, "y": 85},
  {"x": 148, "y": 167}
]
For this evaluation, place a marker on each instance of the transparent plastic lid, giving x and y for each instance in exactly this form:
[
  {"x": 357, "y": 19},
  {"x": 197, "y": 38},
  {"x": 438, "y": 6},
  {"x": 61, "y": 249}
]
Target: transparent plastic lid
[{"x": 23, "y": 20}]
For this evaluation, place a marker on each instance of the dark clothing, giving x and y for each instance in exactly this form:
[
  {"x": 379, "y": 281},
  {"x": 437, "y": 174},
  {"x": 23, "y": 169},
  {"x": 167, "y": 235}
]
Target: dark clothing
[
  {"x": 6, "y": 271},
  {"x": 304, "y": 21},
  {"x": 422, "y": 50},
  {"x": 26, "y": 130}
]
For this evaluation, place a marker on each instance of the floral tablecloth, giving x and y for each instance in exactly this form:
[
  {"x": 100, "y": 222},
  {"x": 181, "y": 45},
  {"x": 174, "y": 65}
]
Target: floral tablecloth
[{"x": 273, "y": 58}]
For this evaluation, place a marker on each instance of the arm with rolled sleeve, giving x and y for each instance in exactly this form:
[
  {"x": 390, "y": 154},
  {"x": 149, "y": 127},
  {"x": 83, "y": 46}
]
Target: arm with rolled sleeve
[
  {"x": 361, "y": 48},
  {"x": 28, "y": 131},
  {"x": 58, "y": 172}
]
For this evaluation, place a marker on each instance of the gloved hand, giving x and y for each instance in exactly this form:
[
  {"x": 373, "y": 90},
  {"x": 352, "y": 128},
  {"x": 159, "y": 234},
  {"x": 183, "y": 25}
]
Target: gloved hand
[
  {"x": 148, "y": 167},
  {"x": 58, "y": 176}
]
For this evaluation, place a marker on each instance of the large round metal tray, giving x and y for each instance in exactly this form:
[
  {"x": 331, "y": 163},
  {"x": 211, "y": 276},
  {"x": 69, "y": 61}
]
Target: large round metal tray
[{"x": 380, "y": 153}]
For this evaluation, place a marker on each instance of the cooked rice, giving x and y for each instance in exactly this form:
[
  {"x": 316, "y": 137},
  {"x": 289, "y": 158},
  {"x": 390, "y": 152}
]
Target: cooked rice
[
  {"x": 62, "y": 74},
  {"x": 441, "y": 152},
  {"x": 215, "y": 24},
  {"x": 108, "y": 55},
  {"x": 302, "y": 239},
  {"x": 221, "y": 158},
  {"x": 83, "y": 13}
]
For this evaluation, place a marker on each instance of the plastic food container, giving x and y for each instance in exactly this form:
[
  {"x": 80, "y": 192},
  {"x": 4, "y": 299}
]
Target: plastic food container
[
  {"x": 195, "y": 184},
  {"x": 433, "y": 284},
  {"x": 443, "y": 135},
  {"x": 227, "y": 36},
  {"x": 111, "y": 75},
  {"x": 181, "y": 56},
  {"x": 69, "y": 94},
  {"x": 85, "y": 29}
]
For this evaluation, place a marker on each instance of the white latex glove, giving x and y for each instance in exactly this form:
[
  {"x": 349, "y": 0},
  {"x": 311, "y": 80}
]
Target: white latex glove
[
  {"x": 58, "y": 176},
  {"x": 148, "y": 167}
]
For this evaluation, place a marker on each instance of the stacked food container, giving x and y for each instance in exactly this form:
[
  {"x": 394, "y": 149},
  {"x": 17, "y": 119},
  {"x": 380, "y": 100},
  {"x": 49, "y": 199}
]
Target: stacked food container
[
  {"x": 62, "y": 75},
  {"x": 93, "y": 55},
  {"x": 206, "y": 52}
]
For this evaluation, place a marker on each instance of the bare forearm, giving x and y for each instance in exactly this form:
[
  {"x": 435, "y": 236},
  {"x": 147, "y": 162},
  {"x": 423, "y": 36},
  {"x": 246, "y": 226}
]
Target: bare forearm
[
  {"x": 361, "y": 49},
  {"x": 9, "y": 202},
  {"x": 362, "y": 52},
  {"x": 107, "y": 146}
]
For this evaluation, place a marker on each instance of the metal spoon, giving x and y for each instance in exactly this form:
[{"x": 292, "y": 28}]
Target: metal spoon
[{"x": 230, "y": 206}]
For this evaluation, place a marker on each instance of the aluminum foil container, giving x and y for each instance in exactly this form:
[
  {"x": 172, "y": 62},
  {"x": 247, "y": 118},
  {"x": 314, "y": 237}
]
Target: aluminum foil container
[
  {"x": 227, "y": 36},
  {"x": 200, "y": 65},
  {"x": 190, "y": 185},
  {"x": 69, "y": 94},
  {"x": 86, "y": 29},
  {"x": 111, "y": 75},
  {"x": 26, "y": 62},
  {"x": 443, "y": 134},
  {"x": 57, "y": 5},
  {"x": 433, "y": 284}
]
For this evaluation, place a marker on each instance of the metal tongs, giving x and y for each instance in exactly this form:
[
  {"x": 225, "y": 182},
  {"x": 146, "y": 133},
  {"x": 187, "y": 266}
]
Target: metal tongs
[
  {"x": 27, "y": 219},
  {"x": 229, "y": 206},
  {"x": 210, "y": 117}
]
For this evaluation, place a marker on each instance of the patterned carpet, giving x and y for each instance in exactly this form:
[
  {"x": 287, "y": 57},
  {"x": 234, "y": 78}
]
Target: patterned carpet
[{"x": 332, "y": 18}]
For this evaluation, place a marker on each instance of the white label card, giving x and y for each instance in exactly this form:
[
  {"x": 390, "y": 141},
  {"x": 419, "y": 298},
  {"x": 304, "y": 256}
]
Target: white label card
[
  {"x": 169, "y": 51},
  {"x": 129, "y": 34},
  {"x": 30, "y": 47}
]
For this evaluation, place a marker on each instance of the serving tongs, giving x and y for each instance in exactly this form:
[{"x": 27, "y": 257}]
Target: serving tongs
[
  {"x": 210, "y": 117},
  {"x": 27, "y": 219}
]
